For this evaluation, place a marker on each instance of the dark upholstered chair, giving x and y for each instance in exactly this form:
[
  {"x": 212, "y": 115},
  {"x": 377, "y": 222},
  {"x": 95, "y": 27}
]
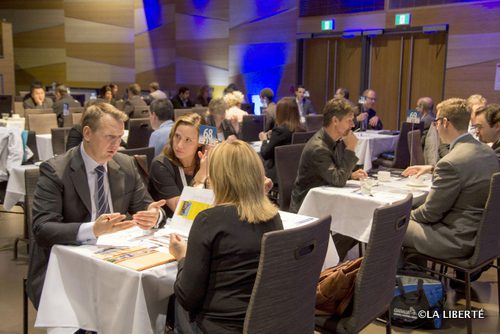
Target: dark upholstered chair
[
  {"x": 251, "y": 126},
  {"x": 302, "y": 137},
  {"x": 283, "y": 297},
  {"x": 374, "y": 286},
  {"x": 415, "y": 148},
  {"x": 287, "y": 158},
  {"x": 486, "y": 250},
  {"x": 149, "y": 152},
  {"x": 314, "y": 122},
  {"x": 139, "y": 132},
  {"x": 59, "y": 140}
]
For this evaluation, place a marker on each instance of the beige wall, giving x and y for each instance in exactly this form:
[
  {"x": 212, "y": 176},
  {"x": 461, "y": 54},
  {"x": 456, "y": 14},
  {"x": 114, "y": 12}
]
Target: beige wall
[
  {"x": 7, "y": 86},
  {"x": 473, "y": 41}
]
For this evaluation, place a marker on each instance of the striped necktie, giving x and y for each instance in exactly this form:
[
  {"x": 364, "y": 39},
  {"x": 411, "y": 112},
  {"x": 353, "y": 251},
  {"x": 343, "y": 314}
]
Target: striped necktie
[{"x": 102, "y": 198}]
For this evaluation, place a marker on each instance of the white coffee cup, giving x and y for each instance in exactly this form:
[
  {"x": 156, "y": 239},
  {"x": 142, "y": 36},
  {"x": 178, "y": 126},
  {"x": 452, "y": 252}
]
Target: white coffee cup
[
  {"x": 384, "y": 176},
  {"x": 16, "y": 116}
]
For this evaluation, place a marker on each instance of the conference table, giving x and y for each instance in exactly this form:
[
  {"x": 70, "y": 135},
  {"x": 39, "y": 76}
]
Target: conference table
[
  {"x": 81, "y": 291},
  {"x": 371, "y": 144},
  {"x": 352, "y": 210},
  {"x": 16, "y": 188},
  {"x": 44, "y": 146},
  {"x": 11, "y": 122}
]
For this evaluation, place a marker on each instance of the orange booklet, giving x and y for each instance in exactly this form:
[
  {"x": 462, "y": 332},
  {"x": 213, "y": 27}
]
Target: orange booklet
[{"x": 136, "y": 258}]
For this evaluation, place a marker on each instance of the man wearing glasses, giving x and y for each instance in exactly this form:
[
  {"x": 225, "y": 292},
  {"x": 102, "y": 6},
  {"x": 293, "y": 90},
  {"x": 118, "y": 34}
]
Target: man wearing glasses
[
  {"x": 367, "y": 118},
  {"x": 445, "y": 225},
  {"x": 487, "y": 126}
]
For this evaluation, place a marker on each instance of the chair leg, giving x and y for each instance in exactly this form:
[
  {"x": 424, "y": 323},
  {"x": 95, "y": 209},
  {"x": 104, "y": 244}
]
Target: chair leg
[
  {"x": 25, "y": 308},
  {"x": 468, "y": 301},
  {"x": 360, "y": 249},
  {"x": 498, "y": 284},
  {"x": 16, "y": 242},
  {"x": 388, "y": 323}
]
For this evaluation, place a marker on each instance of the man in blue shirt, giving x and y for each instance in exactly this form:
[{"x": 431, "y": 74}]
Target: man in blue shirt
[{"x": 161, "y": 114}]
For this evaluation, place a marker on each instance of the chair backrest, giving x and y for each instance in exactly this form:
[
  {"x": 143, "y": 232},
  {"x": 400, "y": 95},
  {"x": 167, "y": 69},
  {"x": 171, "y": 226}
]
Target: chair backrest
[
  {"x": 314, "y": 122},
  {"x": 31, "y": 143},
  {"x": 140, "y": 112},
  {"x": 139, "y": 132},
  {"x": 76, "y": 110},
  {"x": 42, "y": 123},
  {"x": 6, "y": 104},
  {"x": 415, "y": 148},
  {"x": 19, "y": 108},
  {"x": 120, "y": 104},
  {"x": 374, "y": 287},
  {"x": 30, "y": 180},
  {"x": 401, "y": 153},
  {"x": 284, "y": 293},
  {"x": 251, "y": 126},
  {"x": 28, "y": 112},
  {"x": 59, "y": 139},
  {"x": 148, "y": 152},
  {"x": 181, "y": 112},
  {"x": 488, "y": 234},
  {"x": 76, "y": 118},
  {"x": 202, "y": 111},
  {"x": 302, "y": 137},
  {"x": 286, "y": 159}
]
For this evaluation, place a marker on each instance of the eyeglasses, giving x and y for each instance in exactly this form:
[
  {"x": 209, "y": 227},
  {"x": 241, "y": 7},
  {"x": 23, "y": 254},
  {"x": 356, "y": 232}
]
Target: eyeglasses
[{"x": 434, "y": 122}]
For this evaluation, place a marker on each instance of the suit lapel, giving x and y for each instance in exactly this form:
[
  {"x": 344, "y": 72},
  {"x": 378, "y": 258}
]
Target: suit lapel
[
  {"x": 117, "y": 180},
  {"x": 80, "y": 181}
]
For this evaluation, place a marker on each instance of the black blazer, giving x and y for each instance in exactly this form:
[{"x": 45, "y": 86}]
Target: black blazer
[{"x": 227, "y": 127}]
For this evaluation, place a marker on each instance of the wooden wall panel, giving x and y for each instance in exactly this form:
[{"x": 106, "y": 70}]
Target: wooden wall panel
[
  {"x": 315, "y": 60},
  {"x": 349, "y": 66},
  {"x": 7, "y": 86}
]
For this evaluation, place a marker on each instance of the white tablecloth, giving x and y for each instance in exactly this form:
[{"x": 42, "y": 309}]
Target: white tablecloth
[
  {"x": 81, "y": 291},
  {"x": 371, "y": 144},
  {"x": 351, "y": 211},
  {"x": 13, "y": 123},
  {"x": 16, "y": 186},
  {"x": 44, "y": 146}
]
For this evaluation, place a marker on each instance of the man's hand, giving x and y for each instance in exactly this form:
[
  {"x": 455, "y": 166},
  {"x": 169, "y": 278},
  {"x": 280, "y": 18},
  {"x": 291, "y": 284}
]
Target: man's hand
[
  {"x": 374, "y": 121},
  {"x": 111, "y": 223},
  {"x": 350, "y": 141},
  {"x": 177, "y": 246},
  {"x": 361, "y": 117},
  {"x": 360, "y": 174},
  {"x": 417, "y": 170},
  {"x": 262, "y": 136},
  {"x": 148, "y": 219}
]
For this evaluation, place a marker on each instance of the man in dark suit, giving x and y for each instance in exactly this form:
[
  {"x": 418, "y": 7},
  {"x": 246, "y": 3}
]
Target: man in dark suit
[
  {"x": 86, "y": 193},
  {"x": 367, "y": 118},
  {"x": 488, "y": 126},
  {"x": 305, "y": 106},
  {"x": 62, "y": 98},
  {"x": 181, "y": 100},
  {"x": 135, "y": 106},
  {"x": 445, "y": 226}
]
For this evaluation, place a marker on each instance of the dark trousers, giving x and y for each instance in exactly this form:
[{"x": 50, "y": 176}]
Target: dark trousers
[{"x": 343, "y": 244}]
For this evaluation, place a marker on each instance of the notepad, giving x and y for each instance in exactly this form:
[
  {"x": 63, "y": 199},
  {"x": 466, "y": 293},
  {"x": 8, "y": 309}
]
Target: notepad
[{"x": 135, "y": 258}]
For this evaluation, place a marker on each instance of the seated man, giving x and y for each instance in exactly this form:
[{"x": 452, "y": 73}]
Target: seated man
[
  {"x": 86, "y": 193},
  {"x": 62, "y": 98},
  {"x": 425, "y": 107},
  {"x": 367, "y": 118},
  {"x": 445, "y": 226},
  {"x": 488, "y": 126},
  {"x": 181, "y": 100},
  {"x": 305, "y": 105},
  {"x": 134, "y": 104},
  {"x": 161, "y": 115},
  {"x": 155, "y": 93},
  {"x": 474, "y": 102},
  {"x": 37, "y": 99},
  {"x": 328, "y": 158}
]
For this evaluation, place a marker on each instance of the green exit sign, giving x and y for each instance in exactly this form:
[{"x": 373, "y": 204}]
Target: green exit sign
[
  {"x": 327, "y": 25},
  {"x": 403, "y": 19}
]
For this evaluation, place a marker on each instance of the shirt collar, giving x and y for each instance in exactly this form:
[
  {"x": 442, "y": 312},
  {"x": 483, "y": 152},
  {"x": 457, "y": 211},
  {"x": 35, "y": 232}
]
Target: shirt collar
[
  {"x": 452, "y": 144},
  {"x": 329, "y": 140},
  {"x": 166, "y": 123},
  {"x": 90, "y": 164}
]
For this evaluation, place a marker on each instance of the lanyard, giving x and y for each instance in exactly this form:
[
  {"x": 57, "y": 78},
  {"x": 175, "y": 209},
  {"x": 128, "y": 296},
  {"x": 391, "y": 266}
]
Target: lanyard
[{"x": 183, "y": 176}]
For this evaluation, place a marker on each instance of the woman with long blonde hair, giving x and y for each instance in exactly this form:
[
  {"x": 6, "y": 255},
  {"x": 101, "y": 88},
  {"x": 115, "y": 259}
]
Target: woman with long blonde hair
[{"x": 218, "y": 265}]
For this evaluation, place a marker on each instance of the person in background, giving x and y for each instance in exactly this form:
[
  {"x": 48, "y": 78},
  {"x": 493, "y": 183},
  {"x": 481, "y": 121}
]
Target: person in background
[
  {"x": 235, "y": 113},
  {"x": 87, "y": 192},
  {"x": 155, "y": 93},
  {"x": 269, "y": 107},
  {"x": 287, "y": 122},
  {"x": 425, "y": 106},
  {"x": 182, "y": 163},
  {"x": 37, "y": 99},
  {"x": 62, "y": 98},
  {"x": 11, "y": 154},
  {"x": 342, "y": 92},
  {"x": 367, "y": 118},
  {"x": 204, "y": 96},
  {"x": 161, "y": 115},
  {"x": 217, "y": 117},
  {"x": 217, "y": 267},
  {"x": 114, "y": 91},
  {"x": 488, "y": 126},
  {"x": 230, "y": 88},
  {"x": 181, "y": 100},
  {"x": 474, "y": 102},
  {"x": 305, "y": 106},
  {"x": 134, "y": 104}
]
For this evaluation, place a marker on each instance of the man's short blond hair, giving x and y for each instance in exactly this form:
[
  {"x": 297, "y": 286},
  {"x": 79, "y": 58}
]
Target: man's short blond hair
[
  {"x": 93, "y": 114},
  {"x": 234, "y": 99},
  {"x": 456, "y": 111},
  {"x": 476, "y": 99}
]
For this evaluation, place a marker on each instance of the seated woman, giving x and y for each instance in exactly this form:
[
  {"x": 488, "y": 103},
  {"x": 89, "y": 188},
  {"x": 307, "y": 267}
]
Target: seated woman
[
  {"x": 182, "y": 163},
  {"x": 234, "y": 113},
  {"x": 218, "y": 266},
  {"x": 217, "y": 114},
  {"x": 287, "y": 122}
]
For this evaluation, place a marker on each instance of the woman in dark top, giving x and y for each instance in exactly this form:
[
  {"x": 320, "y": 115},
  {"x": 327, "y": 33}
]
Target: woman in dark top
[
  {"x": 182, "y": 163},
  {"x": 218, "y": 266},
  {"x": 287, "y": 122},
  {"x": 204, "y": 96},
  {"x": 217, "y": 117}
]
